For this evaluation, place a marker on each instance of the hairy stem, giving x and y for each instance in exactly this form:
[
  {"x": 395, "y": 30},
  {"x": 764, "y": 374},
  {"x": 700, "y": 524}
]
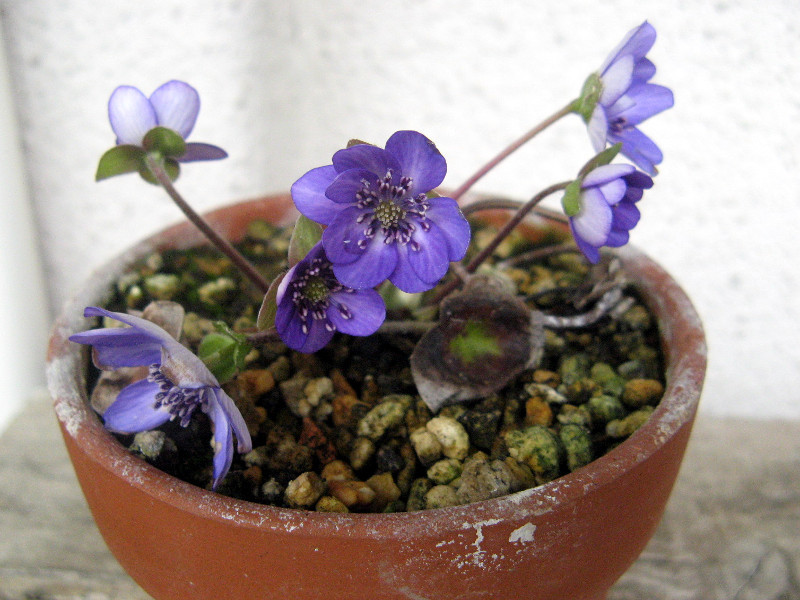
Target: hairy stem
[
  {"x": 493, "y": 204},
  {"x": 224, "y": 245},
  {"x": 510, "y": 149},
  {"x": 512, "y": 223},
  {"x": 394, "y": 327}
]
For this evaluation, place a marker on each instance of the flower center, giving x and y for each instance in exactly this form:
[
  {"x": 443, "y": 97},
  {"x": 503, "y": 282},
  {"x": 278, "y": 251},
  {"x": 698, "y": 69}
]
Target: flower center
[
  {"x": 316, "y": 290},
  {"x": 389, "y": 214},
  {"x": 391, "y": 210},
  {"x": 179, "y": 402},
  {"x": 311, "y": 291},
  {"x": 618, "y": 124}
]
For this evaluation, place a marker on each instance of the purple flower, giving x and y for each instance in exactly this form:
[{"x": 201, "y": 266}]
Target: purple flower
[
  {"x": 626, "y": 99},
  {"x": 173, "y": 105},
  {"x": 381, "y": 224},
  {"x": 607, "y": 208},
  {"x": 313, "y": 305},
  {"x": 178, "y": 383}
]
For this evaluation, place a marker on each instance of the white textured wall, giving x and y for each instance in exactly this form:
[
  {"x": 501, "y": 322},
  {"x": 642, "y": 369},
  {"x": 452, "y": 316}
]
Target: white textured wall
[
  {"x": 23, "y": 306},
  {"x": 286, "y": 83}
]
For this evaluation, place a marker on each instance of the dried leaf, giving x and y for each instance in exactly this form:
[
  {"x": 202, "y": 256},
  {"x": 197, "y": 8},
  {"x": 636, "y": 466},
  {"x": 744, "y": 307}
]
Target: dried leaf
[{"x": 486, "y": 336}]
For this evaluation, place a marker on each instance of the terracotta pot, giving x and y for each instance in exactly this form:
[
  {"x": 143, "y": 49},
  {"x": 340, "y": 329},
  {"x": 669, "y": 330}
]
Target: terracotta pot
[{"x": 569, "y": 539}]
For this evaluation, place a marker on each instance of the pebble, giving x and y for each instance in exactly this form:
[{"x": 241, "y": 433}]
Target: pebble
[
  {"x": 605, "y": 408},
  {"x": 151, "y": 444},
  {"x": 641, "y": 392},
  {"x": 538, "y": 412},
  {"x": 304, "y": 490},
  {"x": 441, "y": 496},
  {"x": 162, "y": 286},
  {"x": 622, "y": 428},
  {"x": 451, "y": 435},
  {"x": 337, "y": 470},
  {"x": 354, "y": 495},
  {"x": 361, "y": 453},
  {"x": 416, "y": 495},
  {"x": 482, "y": 422},
  {"x": 293, "y": 392},
  {"x": 272, "y": 491},
  {"x": 577, "y": 445},
  {"x": 389, "y": 413},
  {"x": 330, "y": 504},
  {"x": 217, "y": 292},
  {"x": 426, "y": 445},
  {"x": 444, "y": 471},
  {"x": 483, "y": 479},
  {"x": 280, "y": 368},
  {"x": 386, "y": 491},
  {"x": 537, "y": 447},
  {"x": 254, "y": 383},
  {"x": 318, "y": 389},
  {"x": 608, "y": 379},
  {"x": 574, "y": 367}
]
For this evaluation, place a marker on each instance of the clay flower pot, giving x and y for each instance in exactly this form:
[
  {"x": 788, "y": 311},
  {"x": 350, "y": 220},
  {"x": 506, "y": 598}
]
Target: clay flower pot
[{"x": 569, "y": 539}]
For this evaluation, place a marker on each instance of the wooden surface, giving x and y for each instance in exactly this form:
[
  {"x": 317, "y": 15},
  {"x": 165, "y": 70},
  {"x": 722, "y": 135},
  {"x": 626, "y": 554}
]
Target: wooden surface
[{"x": 731, "y": 531}]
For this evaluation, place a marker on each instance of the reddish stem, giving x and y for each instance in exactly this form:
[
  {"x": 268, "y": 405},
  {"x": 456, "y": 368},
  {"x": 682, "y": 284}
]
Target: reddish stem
[
  {"x": 224, "y": 245},
  {"x": 514, "y": 146}
]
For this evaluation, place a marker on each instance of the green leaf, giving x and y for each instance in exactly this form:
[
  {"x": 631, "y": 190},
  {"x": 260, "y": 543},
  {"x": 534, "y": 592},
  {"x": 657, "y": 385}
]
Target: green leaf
[
  {"x": 164, "y": 141},
  {"x": 603, "y": 158},
  {"x": 224, "y": 352},
  {"x": 571, "y": 200},
  {"x": 269, "y": 307},
  {"x": 305, "y": 236},
  {"x": 119, "y": 160}
]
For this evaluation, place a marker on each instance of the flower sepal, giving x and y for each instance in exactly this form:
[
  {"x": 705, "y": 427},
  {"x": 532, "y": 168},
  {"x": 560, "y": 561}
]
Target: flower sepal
[
  {"x": 163, "y": 141},
  {"x": 305, "y": 235},
  {"x": 601, "y": 159},
  {"x": 269, "y": 306},
  {"x": 120, "y": 160},
  {"x": 585, "y": 104}
]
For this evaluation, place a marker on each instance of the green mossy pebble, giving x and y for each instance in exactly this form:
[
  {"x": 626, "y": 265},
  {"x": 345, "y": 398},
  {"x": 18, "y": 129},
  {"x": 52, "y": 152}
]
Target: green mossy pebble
[
  {"x": 389, "y": 413},
  {"x": 622, "y": 428},
  {"x": 162, "y": 286},
  {"x": 539, "y": 448},
  {"x": 577, "y": 445},
  {"x": 605, "y": 408},
  {"x": 441, "y": 496},
  {"x": 416, "y": 495},
  {"x": 444, "y": 471}
]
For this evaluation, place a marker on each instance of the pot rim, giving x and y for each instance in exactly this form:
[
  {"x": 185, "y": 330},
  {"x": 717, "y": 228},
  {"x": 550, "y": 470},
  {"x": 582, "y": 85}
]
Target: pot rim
[{"x": 66, "y": 375}]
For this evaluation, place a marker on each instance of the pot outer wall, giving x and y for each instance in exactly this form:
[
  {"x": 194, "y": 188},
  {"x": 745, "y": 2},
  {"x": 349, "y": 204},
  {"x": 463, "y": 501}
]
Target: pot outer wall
[{"x": 569, "y": 539}]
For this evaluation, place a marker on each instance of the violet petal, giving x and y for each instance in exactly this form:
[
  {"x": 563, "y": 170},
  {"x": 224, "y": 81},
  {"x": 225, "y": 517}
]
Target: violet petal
[
  {"x": 419, "y": 159},
  {"x": 364, "y": 156},
  {"x": 133, "y": 410},
  {"x": 344, "y": 234},
  {"x": 365, "y": 307},
  {"x": 593, "y": 222},
  {"x": 374, "y": 265},
  {"x": 176, "y": 105},
  {"x": 308, "y": 194},
  {"x": 452, "y": 224},
  {"x": 344, "y": 188},
  {"x": 199, "y": 151},
  {"x": 131, "y": 115}
]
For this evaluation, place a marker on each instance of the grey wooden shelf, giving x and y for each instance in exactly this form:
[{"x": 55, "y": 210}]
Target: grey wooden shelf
[{"x": 731, "y": 530}]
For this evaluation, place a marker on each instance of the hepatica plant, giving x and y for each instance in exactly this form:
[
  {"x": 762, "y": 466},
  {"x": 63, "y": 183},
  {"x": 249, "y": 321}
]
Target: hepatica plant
[{"x": 372, "y": 221}]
